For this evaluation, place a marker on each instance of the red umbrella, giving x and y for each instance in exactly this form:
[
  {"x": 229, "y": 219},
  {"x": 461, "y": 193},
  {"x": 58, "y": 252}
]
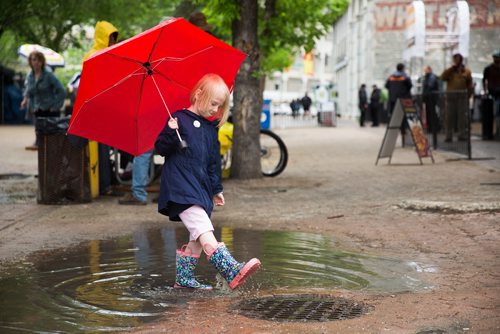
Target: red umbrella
[{"x": 127, "y": 91}]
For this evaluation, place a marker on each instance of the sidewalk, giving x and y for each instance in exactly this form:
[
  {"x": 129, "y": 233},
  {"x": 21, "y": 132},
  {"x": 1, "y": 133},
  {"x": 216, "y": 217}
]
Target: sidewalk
[{"x": 443, "y": 214}]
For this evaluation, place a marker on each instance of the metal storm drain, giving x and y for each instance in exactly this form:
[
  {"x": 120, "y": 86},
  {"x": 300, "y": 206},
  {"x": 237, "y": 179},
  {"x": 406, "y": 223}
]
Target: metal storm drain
[{"x": 300, "y": 308}]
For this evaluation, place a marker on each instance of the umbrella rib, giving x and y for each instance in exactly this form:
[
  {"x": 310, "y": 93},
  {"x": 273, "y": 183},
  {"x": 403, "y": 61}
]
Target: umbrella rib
[
  {"x": 183, "y": 58},
  {"x": 172, "y": 81},
  {"x": 166, "y": 107},
  {"x": 125, "y": 58},
  {"x": 116, "y": 84}
]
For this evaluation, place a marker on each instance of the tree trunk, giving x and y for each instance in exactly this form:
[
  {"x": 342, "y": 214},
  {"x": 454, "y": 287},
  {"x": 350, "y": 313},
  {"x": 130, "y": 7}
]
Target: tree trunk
[{"x": 245, "y": 163}]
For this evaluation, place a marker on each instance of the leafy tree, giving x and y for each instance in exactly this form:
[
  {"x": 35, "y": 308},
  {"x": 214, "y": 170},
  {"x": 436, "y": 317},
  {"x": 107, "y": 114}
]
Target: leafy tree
[
  {"x": 281, "y": 28},
  {"x": 50, "y": 22}
]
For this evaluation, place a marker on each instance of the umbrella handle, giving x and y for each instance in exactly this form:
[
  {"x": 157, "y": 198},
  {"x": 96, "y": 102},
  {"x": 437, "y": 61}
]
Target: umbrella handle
[{"x": 183, "y": 144}]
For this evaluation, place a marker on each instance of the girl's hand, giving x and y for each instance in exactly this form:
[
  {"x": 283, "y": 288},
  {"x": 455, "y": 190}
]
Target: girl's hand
[
  {"x": 172, "y": 123},
  {"x": 219, "y": 199}
]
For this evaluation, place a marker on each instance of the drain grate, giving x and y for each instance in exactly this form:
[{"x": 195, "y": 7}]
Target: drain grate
[{"x": 300, "y": 308}]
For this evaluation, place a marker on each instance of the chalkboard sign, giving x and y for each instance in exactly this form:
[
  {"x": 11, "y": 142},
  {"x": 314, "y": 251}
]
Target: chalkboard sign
[{"x": 405, "y": 110}]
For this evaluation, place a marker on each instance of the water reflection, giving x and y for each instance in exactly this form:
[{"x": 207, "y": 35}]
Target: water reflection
[{"x": 117, "y": 284}]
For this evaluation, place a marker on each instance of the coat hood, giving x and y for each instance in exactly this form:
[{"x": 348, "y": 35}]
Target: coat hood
[{"x": 103, "y": 29}]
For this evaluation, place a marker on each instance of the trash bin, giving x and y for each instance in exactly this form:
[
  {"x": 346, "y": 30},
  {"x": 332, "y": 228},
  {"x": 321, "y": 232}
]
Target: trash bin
[
  {"x": 63, "y": 175},
  {"x": 265, "y": 117},
  {"x": 326, "y": 114}
]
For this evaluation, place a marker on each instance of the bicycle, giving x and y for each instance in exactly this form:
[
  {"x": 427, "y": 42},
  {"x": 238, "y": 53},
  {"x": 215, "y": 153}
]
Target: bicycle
[
  {"x": 273, "y": 156},
  {"x": 273, "y": 151}
]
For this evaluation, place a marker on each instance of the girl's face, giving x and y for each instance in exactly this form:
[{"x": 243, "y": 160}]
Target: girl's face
[
  {"x": 215, "y": 104},
  {"x": 212, "y": 107}
]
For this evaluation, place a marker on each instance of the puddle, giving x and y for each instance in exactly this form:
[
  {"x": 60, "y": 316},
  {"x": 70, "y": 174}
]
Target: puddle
[{"x": 118, "y": 284}]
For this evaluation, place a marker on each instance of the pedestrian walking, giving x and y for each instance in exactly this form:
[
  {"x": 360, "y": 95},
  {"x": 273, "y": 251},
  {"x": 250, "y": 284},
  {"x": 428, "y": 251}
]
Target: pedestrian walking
[
  {"x": 306, "y": 104},
  {"x": 458, "y": 80},
  {"x": 191, "y": 185},
  {"x": 362, "y": 104},
  {"x": 375, "y": 105},
  {"x": 105, "y": 35},
  {"x": 44, "y": 94},
  {"x": 491, "y": 84}
]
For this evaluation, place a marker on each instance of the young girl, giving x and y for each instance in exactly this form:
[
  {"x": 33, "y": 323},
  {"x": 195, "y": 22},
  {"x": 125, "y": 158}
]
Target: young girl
[{"x": 191, "y": 183}]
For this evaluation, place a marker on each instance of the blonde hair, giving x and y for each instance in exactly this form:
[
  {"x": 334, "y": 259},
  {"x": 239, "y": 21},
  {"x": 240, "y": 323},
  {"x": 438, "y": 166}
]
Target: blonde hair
[{"x": 211, "y": 85}]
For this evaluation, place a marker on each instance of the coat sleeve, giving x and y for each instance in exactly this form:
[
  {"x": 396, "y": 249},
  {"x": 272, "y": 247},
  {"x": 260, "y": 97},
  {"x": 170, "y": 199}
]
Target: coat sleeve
[
  {"x": 59, "y": 92},
  {"x": 214, "y": 168},
  {"x": 166, "y": 142}
]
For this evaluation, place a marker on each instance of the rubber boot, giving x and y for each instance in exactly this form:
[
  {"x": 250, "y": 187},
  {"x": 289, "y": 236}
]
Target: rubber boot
[
  {"x": 232, "y": 271},
  {"x": 184, "y": 267}
]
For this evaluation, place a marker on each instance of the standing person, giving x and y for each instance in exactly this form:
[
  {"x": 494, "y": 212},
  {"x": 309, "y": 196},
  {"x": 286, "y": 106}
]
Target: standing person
[
  {"x": 191, "y": 183},
  {"x": 140, "y": 169},
  {"x": 458, "y": 91},
  {"x": 44, "y": 94},
  {"x": 363, "y": 104},
  {"x": 375, "y": 105},
  {"x": 105, "y": 35},
  {"x": 306, "y": 103},
  {"x": 399, "y": 86},
  {"x": 200, "y": 20},
  {"x": 491, "y": 84},
  {"x": 430, "y": 96}
]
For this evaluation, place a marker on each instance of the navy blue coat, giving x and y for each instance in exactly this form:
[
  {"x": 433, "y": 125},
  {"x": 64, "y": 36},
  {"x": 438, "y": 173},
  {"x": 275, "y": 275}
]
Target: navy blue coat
[{"x": 191, "y": 176}]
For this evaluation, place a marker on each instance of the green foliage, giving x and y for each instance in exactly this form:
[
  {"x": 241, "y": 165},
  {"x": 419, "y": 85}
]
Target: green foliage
[
  {"x": 52, "y": 23},
  {"x": 285, "y": 26}
]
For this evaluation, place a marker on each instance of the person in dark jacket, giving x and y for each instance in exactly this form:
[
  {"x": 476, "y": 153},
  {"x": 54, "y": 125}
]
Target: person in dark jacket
[
  {"x": 491, "y": 84},
  {"x": 430, "y": 96},
  {"x": 191, "y": 183},
  {"x": 306, "y": 104},
  {"x": 375, "y": 105},
  {"x": 399, "y": 86},
  {"x": 363, "y": 104}
]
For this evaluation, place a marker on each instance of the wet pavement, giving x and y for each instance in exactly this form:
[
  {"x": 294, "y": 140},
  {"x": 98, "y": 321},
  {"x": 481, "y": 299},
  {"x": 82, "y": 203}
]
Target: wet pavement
[
  {"x": 120, "y": 283},
  {"x": 417, "y": 243}
]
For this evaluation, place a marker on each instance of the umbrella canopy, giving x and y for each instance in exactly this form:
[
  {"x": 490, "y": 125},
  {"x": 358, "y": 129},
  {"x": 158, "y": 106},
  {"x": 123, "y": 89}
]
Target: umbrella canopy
[
  {"x": 128, "y": 90},
  {"x": 52, "y": 58}
]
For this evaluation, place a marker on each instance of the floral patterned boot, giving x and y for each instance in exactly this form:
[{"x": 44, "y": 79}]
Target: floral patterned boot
[
  {"x": 232, "y": 271},
  {"x": 185, "y": 265}
]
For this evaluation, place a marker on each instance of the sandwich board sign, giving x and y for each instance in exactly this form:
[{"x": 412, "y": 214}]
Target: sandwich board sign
[{"x": 405, "y": 110}]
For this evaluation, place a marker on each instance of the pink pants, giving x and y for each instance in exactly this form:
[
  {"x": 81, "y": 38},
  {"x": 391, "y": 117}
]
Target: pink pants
[{"x": 196, "y": 221}]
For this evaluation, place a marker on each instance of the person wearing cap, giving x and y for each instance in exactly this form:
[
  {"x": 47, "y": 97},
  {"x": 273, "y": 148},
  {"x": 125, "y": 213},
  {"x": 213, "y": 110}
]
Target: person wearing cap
[{"x": 491, "y": 84}]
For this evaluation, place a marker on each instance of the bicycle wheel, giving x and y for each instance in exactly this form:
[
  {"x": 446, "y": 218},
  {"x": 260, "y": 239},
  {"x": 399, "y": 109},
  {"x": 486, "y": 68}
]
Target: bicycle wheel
[{"x": 273, "y": 153}]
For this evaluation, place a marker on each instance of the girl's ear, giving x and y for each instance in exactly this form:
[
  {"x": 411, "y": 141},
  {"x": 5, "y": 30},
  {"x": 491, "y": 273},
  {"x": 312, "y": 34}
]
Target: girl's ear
[{"x": 197, "y": 94}]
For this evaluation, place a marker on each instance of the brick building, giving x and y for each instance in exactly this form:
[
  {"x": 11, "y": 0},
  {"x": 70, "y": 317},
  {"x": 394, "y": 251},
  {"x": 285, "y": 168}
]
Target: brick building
[{"x": 369, "y": 40}]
